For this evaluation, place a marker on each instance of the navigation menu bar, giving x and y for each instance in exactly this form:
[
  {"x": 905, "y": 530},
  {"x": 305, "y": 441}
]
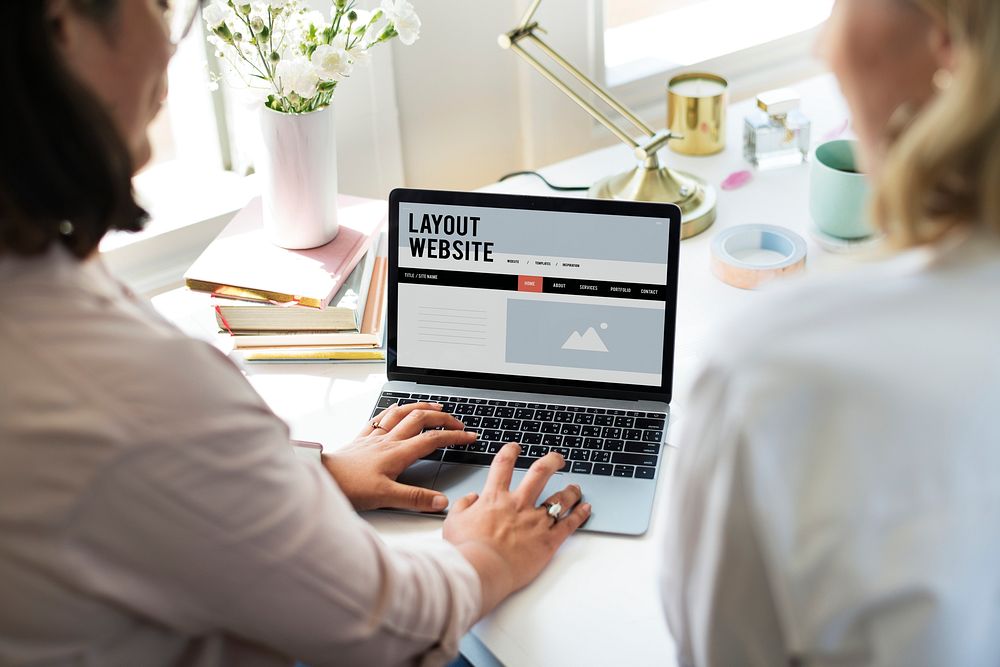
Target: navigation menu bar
[{"x": 534, "y": 284}]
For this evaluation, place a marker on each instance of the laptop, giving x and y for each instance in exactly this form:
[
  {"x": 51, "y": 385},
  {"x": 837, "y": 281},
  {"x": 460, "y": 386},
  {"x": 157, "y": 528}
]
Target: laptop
[{"x": 541, "y": 320}]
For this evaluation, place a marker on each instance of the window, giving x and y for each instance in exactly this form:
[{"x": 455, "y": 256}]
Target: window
[
  {"x": 188, "y": 139},
  {"x": 187, "y": 128},
  {"x": 647, "y": 38},
  {"x": 186, "y": 186}
]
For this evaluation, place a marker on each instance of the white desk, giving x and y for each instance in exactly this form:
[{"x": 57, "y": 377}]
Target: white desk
[{"x": 598, "y": 604}]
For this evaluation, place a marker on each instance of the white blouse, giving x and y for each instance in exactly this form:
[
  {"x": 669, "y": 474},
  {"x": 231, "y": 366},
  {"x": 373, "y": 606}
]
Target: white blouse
[
  {"x": 836, "y": 497},
  {"x": 152, "y": 512}
]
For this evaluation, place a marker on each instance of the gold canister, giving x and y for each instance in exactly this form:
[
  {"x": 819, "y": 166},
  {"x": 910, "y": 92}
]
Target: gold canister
[{"x": 696, "y": 113}]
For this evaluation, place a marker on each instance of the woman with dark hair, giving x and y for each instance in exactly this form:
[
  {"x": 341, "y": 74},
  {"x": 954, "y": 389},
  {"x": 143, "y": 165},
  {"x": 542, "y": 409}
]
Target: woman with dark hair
[{"x": 152, "y": 511}]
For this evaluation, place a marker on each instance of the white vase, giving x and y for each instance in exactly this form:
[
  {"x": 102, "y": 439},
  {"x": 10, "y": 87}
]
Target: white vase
[{"x": 298, "y": 169}]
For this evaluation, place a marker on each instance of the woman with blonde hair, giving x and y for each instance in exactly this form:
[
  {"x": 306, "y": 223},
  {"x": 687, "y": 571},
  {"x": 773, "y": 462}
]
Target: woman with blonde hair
[{"x": 835, "y": 497}]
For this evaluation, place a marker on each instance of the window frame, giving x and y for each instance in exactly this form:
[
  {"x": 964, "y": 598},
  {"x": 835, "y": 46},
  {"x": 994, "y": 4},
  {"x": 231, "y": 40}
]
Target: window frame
[
  {"x": 767, "y": 65},
  {"x": 195, "y": 107}
]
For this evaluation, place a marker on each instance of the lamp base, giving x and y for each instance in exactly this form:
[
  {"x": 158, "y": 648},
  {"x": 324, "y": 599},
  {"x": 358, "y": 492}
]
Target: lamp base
[{"x": 695, "y": 197}]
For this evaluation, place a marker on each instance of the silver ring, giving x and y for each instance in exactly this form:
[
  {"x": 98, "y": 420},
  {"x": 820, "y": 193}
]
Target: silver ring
[{"x": 554, "y": 510}]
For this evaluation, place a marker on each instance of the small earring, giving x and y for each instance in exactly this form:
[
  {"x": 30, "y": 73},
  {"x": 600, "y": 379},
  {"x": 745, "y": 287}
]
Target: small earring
[
  {"x": 66, "y": 228},
  {"x": 942, "y": 79}
]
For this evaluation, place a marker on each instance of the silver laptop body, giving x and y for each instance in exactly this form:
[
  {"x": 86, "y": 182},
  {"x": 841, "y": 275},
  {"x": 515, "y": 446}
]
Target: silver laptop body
[{"x": 548, "y": 321}]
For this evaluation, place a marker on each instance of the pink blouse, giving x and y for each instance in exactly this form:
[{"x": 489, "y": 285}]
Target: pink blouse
[{"x": 152, "y": 512}]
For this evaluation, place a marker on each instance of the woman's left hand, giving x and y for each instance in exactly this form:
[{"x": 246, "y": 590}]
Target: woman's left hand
[{"x": 366, "y": 470}]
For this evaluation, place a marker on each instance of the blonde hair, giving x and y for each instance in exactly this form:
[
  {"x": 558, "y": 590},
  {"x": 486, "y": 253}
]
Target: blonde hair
[{"x": 943, "y": 171}]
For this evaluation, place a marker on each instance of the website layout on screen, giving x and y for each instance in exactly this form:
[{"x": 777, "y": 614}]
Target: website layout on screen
[{"x": 532, "y": 293}]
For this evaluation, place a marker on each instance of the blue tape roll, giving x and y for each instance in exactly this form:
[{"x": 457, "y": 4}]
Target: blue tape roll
[{"x": 737, "y": 272}]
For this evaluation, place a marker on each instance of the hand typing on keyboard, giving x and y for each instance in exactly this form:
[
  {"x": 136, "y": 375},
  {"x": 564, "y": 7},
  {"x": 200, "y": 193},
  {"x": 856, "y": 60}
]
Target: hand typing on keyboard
[
  {"x": 503, "y": 533},
  {"x": 366, "y": 470},
  {"x": 593, "y": 441}
]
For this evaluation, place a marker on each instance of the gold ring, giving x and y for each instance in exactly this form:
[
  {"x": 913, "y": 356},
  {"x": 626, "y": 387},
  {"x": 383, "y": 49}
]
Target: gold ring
[{"x": 376, "y": 425}]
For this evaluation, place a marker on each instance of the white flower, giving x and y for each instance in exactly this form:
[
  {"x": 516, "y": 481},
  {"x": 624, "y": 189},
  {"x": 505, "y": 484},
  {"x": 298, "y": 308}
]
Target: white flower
[
  {"x": 216, "y": 14},
  {"x": 394, "y": 8},
  {"x": 279, "y": 68},
  {"x": 408, "y": 29},
  {"x": 360, "y": 56},
  {"x": 297, "y": 75},
  {"x": 404, "y": 18},
  {"x": 331, "y": 62},
  {"x": 312, "y": 18}
]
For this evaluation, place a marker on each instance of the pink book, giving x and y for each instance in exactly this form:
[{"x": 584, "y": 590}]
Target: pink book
[{"x": 242, "y": 264}]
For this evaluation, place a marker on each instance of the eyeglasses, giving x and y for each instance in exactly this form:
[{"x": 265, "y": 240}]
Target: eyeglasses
[{"x": 179, "y": 16}]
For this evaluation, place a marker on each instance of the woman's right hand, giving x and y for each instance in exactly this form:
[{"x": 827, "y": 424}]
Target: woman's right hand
[{"x": 504, "y": 534}]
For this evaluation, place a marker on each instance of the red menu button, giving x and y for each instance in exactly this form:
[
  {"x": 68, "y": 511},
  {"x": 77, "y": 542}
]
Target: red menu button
[{"x": 529, "y": 284}]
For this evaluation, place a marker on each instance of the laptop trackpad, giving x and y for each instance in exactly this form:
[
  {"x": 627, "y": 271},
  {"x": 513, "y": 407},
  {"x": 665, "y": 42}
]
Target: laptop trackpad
[
  {"x": 456, "y": 481},
  {"x": 421, "y": 473}
]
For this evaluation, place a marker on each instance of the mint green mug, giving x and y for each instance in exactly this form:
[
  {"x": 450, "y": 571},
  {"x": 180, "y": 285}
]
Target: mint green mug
[{"x": 838, "y": 192}]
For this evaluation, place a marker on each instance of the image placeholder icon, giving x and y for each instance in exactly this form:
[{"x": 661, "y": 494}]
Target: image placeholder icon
[
  {"x": 588, "y": 342},
  {"x": 580, "y": 335}
]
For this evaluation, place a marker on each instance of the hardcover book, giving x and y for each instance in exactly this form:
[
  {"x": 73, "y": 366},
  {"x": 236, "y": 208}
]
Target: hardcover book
[
  {"x": 241, "y": 263},
  {"x": 371, "y": 333},
  {"x": 344, "y": 312}
]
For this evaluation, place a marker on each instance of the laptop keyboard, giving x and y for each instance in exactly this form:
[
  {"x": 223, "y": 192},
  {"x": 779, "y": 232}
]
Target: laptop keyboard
[{"x": 594, "y": 441}]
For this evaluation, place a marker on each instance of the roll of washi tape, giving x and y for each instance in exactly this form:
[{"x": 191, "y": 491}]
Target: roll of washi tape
[{"x": 746, "y": 256}]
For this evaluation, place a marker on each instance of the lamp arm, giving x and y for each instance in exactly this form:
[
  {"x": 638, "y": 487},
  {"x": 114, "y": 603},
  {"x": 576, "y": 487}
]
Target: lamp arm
[
  {"x": 528, "y": 14},
  {"x": 653, "y": 141},
  {"x": 591, "y": 86},
  {"x": 647, "y": 182},
  {"x": 572, "y": 94}
]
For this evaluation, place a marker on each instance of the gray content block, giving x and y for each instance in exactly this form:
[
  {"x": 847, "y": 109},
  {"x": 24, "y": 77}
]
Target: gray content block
[{"x": 574, "y": 335}]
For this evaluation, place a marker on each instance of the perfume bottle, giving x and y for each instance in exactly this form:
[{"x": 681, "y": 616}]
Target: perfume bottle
[{"x": 776, "y": 134}]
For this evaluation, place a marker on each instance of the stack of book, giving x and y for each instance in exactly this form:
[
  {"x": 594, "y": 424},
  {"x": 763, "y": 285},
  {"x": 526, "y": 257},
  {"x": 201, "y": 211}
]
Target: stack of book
[{"x": 321, "y": 304}]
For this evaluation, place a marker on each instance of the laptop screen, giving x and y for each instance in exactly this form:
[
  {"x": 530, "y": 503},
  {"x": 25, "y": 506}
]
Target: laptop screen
[{"x": 533, "y": 290}]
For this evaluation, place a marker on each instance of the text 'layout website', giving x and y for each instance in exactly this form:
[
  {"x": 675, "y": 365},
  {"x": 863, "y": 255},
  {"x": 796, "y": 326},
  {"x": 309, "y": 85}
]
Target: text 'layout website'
[{"x": 522, "y": 293}]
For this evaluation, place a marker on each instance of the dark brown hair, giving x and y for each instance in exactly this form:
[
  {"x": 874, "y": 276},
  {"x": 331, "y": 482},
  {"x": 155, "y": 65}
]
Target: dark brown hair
[{"x": 61, "y": 157}]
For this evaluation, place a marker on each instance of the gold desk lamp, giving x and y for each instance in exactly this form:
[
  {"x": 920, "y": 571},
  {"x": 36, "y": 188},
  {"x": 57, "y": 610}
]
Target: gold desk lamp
[{"x": 648, "y": 181}]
